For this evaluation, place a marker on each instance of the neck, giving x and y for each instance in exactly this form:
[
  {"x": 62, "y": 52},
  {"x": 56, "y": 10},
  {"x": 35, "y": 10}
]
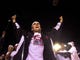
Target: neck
[{"x": 37, "y": 31}]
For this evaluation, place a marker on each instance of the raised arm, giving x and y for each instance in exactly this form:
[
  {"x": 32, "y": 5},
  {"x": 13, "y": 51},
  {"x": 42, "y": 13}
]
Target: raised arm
[
  {"x": 17, "y": 28},
  {"x": 13, "y": 18},
  {"x": 59, "y": 23},
  {"x": 19, "y": 35}
]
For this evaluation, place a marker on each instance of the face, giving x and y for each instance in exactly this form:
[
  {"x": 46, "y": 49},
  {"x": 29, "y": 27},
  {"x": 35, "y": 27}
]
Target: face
[{"x": 36, "y": 27}]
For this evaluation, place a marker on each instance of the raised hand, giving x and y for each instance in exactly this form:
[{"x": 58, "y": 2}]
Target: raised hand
[
  {"x": 13, "y": 18},
  {"x": 61, "y": 19}
]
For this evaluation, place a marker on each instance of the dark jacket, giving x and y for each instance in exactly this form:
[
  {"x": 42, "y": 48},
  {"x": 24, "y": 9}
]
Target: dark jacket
[{"x": 48, "y": 53}]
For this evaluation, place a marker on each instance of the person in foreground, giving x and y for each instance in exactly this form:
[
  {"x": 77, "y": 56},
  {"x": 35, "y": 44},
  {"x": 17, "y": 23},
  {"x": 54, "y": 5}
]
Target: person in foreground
[{"x": 35, "y": 45}]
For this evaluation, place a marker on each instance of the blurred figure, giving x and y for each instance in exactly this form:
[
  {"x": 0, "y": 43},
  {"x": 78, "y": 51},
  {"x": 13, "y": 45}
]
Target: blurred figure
[
  {"x": 2, "y": 39},
  {"x": 2, "y": 57},
  {"x": 8, "y": 37},
  {"x": 73, "y": 51}
]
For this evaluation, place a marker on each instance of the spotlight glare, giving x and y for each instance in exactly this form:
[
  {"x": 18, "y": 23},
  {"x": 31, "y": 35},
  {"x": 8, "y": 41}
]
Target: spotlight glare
[{"x": 56, "y": 47}]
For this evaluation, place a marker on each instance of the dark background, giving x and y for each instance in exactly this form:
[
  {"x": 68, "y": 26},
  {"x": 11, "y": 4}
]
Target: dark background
[{"x": 47, "y": 13}]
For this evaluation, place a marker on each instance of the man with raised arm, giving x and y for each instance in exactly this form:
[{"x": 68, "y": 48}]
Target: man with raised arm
[{"x": 36, "y": 44}]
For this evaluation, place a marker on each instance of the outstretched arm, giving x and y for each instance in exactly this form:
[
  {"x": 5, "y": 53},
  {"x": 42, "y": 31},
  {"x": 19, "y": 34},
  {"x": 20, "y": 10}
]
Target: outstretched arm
[
  {"x": 59, "y": 23},
  {"x": 14, "y": 21}
]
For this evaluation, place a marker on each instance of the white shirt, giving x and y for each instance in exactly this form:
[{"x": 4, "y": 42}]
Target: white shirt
[
  {"x": 74, "y": 54},
  {"x": 36, "y": 48}
]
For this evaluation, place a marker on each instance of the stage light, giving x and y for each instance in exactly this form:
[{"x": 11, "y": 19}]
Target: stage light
[{"x": 57, "y": 47}]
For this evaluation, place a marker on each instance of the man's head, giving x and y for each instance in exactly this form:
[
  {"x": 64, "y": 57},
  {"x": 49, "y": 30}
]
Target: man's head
[
  {"x": 10, "y": 48},
  {"x": 36, "y": 27}
]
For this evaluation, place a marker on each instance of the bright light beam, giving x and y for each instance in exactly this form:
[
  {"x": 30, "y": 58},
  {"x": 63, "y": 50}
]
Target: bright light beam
[{"x": 56, "y": 47}]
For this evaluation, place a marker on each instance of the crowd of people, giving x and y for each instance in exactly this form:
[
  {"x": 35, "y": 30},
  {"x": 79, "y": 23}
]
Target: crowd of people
[{"x": 34, "y": 45}]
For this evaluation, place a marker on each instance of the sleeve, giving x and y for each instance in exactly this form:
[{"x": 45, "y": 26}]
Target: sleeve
[
  {"x": 54, "y": 33},
  {"x": 19, "y": 31},
  {"x": 18, "y": 47},
  {"x": 57, "y": 26},
  {"x": 72, "y": 50},
  {"x": 17, "y": 25}
]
